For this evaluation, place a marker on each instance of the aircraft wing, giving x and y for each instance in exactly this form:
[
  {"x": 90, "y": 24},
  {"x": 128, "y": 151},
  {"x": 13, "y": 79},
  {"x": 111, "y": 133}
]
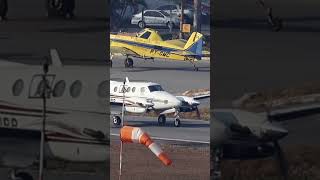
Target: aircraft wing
[
  {"x": 302, "y": 110},
  {"x": 5, "y": 63},
  {"x": 123, "y": 51},
  {"x": 203, "y": 96}
]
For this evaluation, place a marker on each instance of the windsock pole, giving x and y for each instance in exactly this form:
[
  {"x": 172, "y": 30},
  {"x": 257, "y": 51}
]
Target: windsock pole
[{"x": 122, "y": 117}]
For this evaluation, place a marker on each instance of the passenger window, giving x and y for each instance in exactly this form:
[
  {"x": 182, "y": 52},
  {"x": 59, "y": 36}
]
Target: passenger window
[
  {"x": 128, "y": 89},
  {"x": 103, "y": 89},
  {"x": 59, "y": 88},
  {"x": 17, "y": 87},
  {"x": 75, "y": 89},
  {"x": 142, "y": 90},
  {"x": 148, "y": 13},
  {"x": 115, "y": 89},
  {"x": 156, "y": 14},
  {"x": 133, "y": 89}
]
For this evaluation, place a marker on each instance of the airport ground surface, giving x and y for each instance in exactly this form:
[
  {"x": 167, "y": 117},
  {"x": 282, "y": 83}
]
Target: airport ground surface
[
  {"x": 250, "y": 57},
  {"x": 189, "y": 131},
  {"x": 175, "y": 77},
  {"x": 189, "y": 162}
]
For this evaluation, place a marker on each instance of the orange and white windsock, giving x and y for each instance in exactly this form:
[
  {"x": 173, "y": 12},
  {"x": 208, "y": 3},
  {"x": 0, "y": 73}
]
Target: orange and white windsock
[{"x": 137, "y": 135}]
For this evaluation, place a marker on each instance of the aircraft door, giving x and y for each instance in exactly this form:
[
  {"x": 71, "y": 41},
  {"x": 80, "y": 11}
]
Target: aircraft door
[{"x": 37, "y": 85}]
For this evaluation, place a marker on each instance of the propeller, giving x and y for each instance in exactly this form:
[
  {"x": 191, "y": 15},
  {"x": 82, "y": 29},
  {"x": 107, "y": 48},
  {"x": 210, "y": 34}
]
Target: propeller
[{"x": 283, "y": 164}]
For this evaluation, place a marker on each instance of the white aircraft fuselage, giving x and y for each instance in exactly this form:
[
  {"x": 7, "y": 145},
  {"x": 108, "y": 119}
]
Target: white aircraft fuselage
[{"x": 77, "y": 124}]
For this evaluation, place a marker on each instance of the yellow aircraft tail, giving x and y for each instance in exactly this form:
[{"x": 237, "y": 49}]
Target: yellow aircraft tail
[{"x": 194, "y": 44}]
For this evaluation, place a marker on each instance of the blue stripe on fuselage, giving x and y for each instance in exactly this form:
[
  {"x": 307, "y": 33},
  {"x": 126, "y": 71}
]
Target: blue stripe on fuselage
[{"x": 160, "y": 48}]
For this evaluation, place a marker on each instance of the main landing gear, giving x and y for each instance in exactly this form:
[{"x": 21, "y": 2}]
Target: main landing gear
[
  {"x": 116, "y": 120},
  {"x": 128, "y": 63},
  {"x": 162, "y": 120},
  {"x": 20, "y": 175}
]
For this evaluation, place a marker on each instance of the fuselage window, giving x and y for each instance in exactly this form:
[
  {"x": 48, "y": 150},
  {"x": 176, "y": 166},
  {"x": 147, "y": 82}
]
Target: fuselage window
[
  {"x": 17, "y": 87},
  {"x": 102, "y": 90},
  {"x": 115, "y": 89},
  {"x": 128, "y": 89},
  {"x": 133, "y": 89},
  {"x": 75, "y": 89},
  {"x": 59, "y": 88}
]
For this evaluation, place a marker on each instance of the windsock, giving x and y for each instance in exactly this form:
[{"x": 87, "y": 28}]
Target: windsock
[{"x": 137, "y": 135}]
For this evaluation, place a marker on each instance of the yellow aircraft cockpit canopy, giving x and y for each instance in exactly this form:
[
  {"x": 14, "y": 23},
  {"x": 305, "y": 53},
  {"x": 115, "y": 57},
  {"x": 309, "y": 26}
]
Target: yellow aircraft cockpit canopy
[{"x": 149, "y": 34}]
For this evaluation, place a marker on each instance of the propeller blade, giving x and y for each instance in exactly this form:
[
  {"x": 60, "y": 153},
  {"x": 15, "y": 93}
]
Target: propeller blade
[{"x": 283, "y": 164}]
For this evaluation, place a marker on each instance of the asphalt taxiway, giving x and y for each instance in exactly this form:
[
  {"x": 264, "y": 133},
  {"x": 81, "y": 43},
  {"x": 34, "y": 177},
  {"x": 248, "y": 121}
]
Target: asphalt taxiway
[
  {"x": 175, "y": 77},
  {"x": 251, "y": 57},
  {"x": 190, "y": 131}
]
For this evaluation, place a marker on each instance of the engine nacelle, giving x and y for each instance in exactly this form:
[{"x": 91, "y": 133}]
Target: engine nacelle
[
  {"x": 135, "y": 109},
  {"x": 191, "y": 101}
]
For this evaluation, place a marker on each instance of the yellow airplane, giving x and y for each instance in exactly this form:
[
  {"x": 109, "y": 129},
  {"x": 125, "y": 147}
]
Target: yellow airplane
[{"x": 148, "y": 44}]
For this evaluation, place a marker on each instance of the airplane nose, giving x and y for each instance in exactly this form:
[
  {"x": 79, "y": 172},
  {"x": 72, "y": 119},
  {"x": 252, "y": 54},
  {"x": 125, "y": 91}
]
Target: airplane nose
[{"x": 275, "y": 132}]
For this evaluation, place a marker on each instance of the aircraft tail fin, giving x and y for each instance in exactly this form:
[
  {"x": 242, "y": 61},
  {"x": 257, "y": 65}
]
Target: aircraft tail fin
[
  {"x": 55, "y": 58},
  {"x": 194, "y": 44}
]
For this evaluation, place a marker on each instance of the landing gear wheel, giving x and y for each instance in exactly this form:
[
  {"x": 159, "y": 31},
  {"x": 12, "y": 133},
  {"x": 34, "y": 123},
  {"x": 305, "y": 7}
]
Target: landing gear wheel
[
  {"x": 24, "y": 176},
  {"x": 276, "y": 24},
  {"x": 177, "y": 122},
  {"x": 162, "y": 120},
  {"x": 116, "y": 120},
  {"x": 128, "y": 63},
  {"x": 141, "y": 24}
]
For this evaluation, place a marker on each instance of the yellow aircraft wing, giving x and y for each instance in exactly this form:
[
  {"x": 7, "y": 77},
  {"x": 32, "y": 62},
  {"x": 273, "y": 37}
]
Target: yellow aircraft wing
[{"x": 123, "y": 51}]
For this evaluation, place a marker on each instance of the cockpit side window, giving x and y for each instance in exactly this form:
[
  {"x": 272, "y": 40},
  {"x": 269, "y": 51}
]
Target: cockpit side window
[
  {"x": 155, "y": 88},
  {"x": 146, "y": 35}
]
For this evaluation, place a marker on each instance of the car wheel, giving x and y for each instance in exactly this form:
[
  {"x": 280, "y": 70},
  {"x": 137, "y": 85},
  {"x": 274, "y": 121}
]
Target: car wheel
[{"x": 141, "y": 24}]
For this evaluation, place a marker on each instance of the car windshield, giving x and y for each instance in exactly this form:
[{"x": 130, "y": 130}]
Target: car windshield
[
  {"x": 165, "y": 13},
  {"x": 155, "y": 88}
]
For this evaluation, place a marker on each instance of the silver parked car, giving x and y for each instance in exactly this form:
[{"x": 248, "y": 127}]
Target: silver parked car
[{"x": 155, "y": 18}]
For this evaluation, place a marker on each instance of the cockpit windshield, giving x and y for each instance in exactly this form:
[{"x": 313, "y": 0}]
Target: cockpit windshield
[{"x": 155, "y": 88}]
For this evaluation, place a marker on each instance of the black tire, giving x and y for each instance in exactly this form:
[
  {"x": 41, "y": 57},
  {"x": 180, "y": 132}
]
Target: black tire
[
  {"x": 24, "y": 176},
  {"x": 177, "y": 122},
  {"x": 277, "y": 24},
  {"x": 141, "y": 24},
  {"x": 162, "y": 120},
  {"x": 130, "y": 62},
  {"x": 116, "y": 120}
]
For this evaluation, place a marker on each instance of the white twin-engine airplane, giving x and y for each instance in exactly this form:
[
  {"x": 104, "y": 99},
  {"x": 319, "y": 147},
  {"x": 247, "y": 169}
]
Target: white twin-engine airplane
[
  {"x": 77, "y": 125},
  {"x": 144, "y": 97}
]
